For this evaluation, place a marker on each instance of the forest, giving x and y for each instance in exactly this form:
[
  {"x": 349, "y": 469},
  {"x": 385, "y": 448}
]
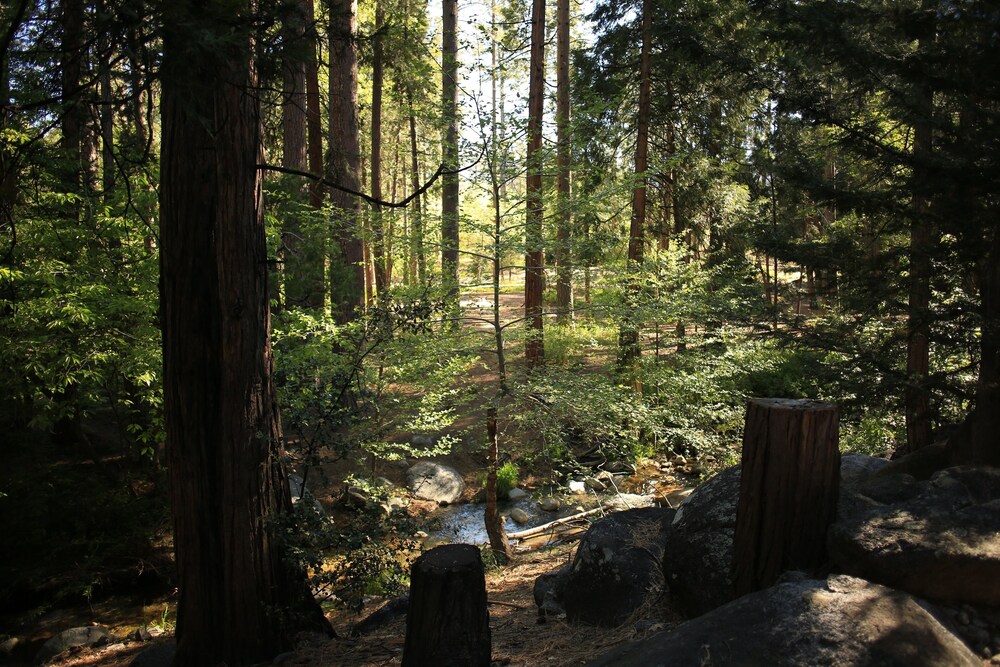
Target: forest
[{"x": 259, "y": 259}]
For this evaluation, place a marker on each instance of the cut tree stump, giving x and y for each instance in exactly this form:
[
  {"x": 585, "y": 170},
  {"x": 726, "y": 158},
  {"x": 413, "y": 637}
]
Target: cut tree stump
[
  {"x": 789, "y": 485},
  {"x": 448, "y": 623}
]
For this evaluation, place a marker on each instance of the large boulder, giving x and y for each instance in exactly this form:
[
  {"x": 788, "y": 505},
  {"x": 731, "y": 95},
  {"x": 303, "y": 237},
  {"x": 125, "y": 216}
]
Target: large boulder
[
  {"x": 842, "y": 622},
  {"x": 616, "y": 570},
  {"x": 433, "y": 481},
  {"x": 697, "y": 563},
  {"x": 91, "y": 635},
  {"x": 938, "y": 539},
  {"x": 699, "y": 557},
  {"x": 157, "y": 655}
]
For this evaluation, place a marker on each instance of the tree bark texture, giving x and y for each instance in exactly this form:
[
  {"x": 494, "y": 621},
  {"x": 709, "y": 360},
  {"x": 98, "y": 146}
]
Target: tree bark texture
[
  {"x": 347, "y": 272},
  {"x": 564, "y": 270},
  {"x": 378, "y": 230},
  {"x": 448, "y": 623},
  {"x": 789, "y": 485},
  {"x": 314, "y": 120},
  {"x": 303, "y": 246},
  {"x": 534, "y": 347},
  {"x": 240, "y": 602}
]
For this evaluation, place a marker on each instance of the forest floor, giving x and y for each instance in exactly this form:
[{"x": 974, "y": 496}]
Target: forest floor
[{"x": 519, "y": 639}]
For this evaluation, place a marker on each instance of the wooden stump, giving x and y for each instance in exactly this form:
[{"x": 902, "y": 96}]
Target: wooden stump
[
  {"x": 789, "y": 485},
  {"x": 447, "y": 623}
]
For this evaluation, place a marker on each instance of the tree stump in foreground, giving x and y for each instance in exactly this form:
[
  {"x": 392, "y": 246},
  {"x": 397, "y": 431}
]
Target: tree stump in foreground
[
  {"x": 448, "y": 623},
  {"x": 789, "y": 485}
]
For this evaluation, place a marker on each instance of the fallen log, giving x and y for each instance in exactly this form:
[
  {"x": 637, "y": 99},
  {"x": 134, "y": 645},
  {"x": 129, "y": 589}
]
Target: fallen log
[{"x": 538, "y": 530}]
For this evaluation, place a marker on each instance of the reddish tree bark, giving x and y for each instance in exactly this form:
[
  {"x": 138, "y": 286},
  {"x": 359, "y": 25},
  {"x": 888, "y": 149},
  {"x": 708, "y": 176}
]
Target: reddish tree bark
[
  {"x": 789, "y": 485},
  {"x": 303, "y": 248},
  {"x": 314, "y": 122},
  {"x": 564, "y": 217},
  {"x": 534, "y": 349},
  {"x": 347, "y": 279},
  {"x": 240, "y": 601},
  {"x": 378, "y": 229}
]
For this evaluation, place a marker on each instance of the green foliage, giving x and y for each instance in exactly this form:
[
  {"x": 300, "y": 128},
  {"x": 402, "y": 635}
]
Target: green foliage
[
  {"x": 569, "y": 413},
  {"x": 79, "y": 331},
  {"x": 508, "y": 476},
  {"x": 364, "y": 553},
  {"x": 874, "y": 432}
]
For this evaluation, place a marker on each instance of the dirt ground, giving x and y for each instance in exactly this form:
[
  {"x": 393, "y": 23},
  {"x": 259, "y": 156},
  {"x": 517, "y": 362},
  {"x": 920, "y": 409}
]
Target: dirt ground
[{"x": 518, "y": 637}]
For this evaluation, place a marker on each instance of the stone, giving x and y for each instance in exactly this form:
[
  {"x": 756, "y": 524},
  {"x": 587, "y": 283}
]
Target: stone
[
  {"x": 620, "y": 467},
  {"x": 140, "y": 635},
  {"x": 436, "y": 482},
  {"x": 577, "y": 487},
  {"x": 938, "y": 539},
  {"x": 519, "y": 515},
  {"x": 595, "y": 484},
  {"x": 549, "y": 504},
  {"x": 8, "y": 645},
  {"x": 157, "y": 655},
  {"x": 394, "y": 504},
  {"x": 616, "y": 569},
  {"x": 699, "y": 557},
  {"x": 425, "y": 441},
  {"x": 840, "y": 622},
  {"x": 517, "y": 494},
  {"x": 302, "y": 497},
  {"x": 91, "y": 635},
  {"x": 858, "y": 468},
  {"x": 548, "y": 592},
  {"x": 355, "y": 497}
]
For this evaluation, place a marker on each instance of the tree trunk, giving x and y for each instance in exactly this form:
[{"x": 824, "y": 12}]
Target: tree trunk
[
  {"x": 418, "y": 219},
  {"x": 789, "y": 485},
  {"x": 378, "y": 229},
  {"x": 564, "y": 270},
  {"x": 449, "y": 149},
  {"x": 240, "y": 601},
  {"x": 74, "y": 111},
  {"x": 448, "y": 623},
  {"x": 534, "y": 348},
  {"x": 628, "y": 338},
  {"x": 302, "y": 245},
  {"x": 314, "y": 121},
  {"x": 347, "y": 272},
  {"x": 668, "y": 183},
  {"x": 109, "y": 170},
  {"x": 494, "y": 522}
]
